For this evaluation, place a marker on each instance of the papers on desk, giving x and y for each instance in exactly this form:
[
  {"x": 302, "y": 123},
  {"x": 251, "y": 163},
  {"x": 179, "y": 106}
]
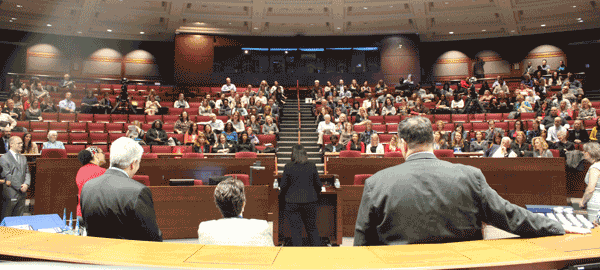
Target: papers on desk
[
  {"x": 22, "y": 227},
  {"x": 51, "y": 230}
]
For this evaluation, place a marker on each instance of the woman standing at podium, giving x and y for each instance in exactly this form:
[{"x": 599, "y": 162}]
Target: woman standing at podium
[
  {"x": 91, "y": 158},
  {"x": 300, "y": 188}
]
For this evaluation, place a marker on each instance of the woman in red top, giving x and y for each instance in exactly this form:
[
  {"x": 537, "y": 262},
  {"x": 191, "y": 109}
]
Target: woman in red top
[
  {"x": 91, "y": 158},
  {"x": 394, "y": 145},
  {"x": 355, "y": 144}
]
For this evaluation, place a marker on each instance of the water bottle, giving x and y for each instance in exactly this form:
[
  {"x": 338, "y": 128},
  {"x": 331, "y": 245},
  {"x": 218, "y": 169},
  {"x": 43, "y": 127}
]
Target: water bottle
[
  {"x": 276, "y": 184},
  {"x": 336, "y": 184}
]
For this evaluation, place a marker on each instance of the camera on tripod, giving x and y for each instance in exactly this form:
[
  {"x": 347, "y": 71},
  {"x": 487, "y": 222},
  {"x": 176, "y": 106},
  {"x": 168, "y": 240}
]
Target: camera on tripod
[{"x": 124, "y": 96}]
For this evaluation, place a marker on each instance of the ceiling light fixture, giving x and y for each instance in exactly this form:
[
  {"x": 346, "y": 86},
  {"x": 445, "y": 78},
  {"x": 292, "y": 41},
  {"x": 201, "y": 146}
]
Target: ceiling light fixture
[
  {"x": 49, "y": 25},
  {"x": 229, "y": 23},
  {"x": 79, "y": 32},
  {"x": 365, "y": 8},
  {"x": 312, "y": 24},
  {"x": 19, "y": 6},
  {"x": 451, "y": 33},
  {"x": 577, "y": 18},
  {"x": 286, "y": 52},
  {"x": 108, "y": 30},
  {"x": 255, "y": 28},
  {"x": 512, "y": 31},
  {"x": 574, "y": 6},
  {"x": 483, "y": 30},
  {"x": 339, "y": 28},
  {"x": 141, "y": 33},
  {"x": 246, "y": 51},
  {"x": 543, "y": 25},
  {"x": 10, "y": 20},
  {"x": 14, "y": 19},
  {"x": 391, "y": 6}
]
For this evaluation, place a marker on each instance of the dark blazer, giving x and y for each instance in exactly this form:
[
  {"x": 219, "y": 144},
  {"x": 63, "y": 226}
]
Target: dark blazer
[
  {"x": 520, "y": 151},
  {"x": 329, "y": 148},
  {"x": 563, "y": 147},
  {"x": 583, "y": 136},
  {"x": 116, "y": 206},
  {"x": 300, "y": 183},
  {"x": 410, "y": 203},
  {"x": 196, "y": 149}
]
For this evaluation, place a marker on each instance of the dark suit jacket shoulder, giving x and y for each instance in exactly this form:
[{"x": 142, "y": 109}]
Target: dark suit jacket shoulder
[
  {"x": 410, "y": 203},
  {"x": 116, "y": 206},
  {"x": 300, "y": 183}
]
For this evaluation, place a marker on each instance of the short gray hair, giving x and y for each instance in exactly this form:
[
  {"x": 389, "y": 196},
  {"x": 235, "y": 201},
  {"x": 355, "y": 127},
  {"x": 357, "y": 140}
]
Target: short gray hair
[
  {"x": 505, "y": 139},
  {"x": 52, "y": 132},
  {"x": 561, "y": 133},
  {"x": 593, "y": 149},
  {"x": 416, "y": 131},
  {"x": 125, "y": 151}
]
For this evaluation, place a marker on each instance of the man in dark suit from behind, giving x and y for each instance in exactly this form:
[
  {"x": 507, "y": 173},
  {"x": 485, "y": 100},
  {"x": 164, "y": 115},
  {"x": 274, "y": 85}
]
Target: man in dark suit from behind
[
  {"x": 427, "y": 200},
  {"x": 116, "y": 206}
]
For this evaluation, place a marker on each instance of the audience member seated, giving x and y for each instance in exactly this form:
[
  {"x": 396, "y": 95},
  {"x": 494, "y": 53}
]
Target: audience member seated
[
  {"x": 520, "y": 145},
  {"x": 325, "y": 127},
  {"x": 216, "y": 124},
  {"x": 34, "y": 113},
  {"x": 479, "y": 144},
  {"x": 201, "y": 145},
  {"x": 156, "y": 135},
  {"x": 540, "y": 148},
  {"x": 346, "y": 133},
  {"x": 442, "y": 107},
  {"x": 181, "y": 103},
  {"x": 52, "y": 143},
  {"x": 459, "y": 143},
  {"x": 244, "y": 144},
  {"x": 362, "y": 117},
  {"x": 458, "y": 104},
  {"x": 67, "y": 105},
  {"x": 183, "y": 123},
  {"x": 522, "y": 105},
  {"x": 152, "y": 96},
  {"x": 374, "y": 146},
  {"x": 228, "y": 87},
  {"x": 578, "y": 134},
  {"x": 586, "y": 112},
  {"x": 11, "y": 110},
  {"x": 205, "y": 109},
  {"x": 239, "y": 109},
  {"x": 67, "y": 83},
  {"x": 365, "y": 137},
  {"x": 498, "y": 86},
  {"x": 104, "y": 103},
  {"x": 388, "y": 108},
  {"x": 260, "y": 99},
  {"x": 553, "y": 130},
  {"x": 230, "y": 133},
  {"x": 563, "y": 145},
  {"x": 270, "y": 127},
  {"x": 381, "y": 87},
  {"x": 502, "y": 150},
  {"x": 233, "y": 229},
  {"x": 252, "y": 136},
  {"x": 136, "y": 127},
  {"x": 225, "y": 109},
  {"x": 152, "y": 106},
  {"x": 23, "y": 91},
  {"x": 237, "y": 123},
  {"x": 211, "y": 136},
  {"x": 190, "y": 135},
  {"x": 356, "y": 144},
  {"x": 89, "y": 102},
  {"x": 29, "y": 147},
  {"x": 439, "y": 142},
  {"x": 223, "y": 146},
  {"x": 535, "y": 130},
  {"x": 492, "y": 130},
  {"x": 393, "y": 146}
]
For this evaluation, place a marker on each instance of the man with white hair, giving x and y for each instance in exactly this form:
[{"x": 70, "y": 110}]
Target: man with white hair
[
  {"x": 325, "y": 127},
  {"x": 114, "y": 205},
  {"x": 52, "y": 143},
  {"x": 228, "y": 87},
  {"x": 554, "y": 130},
  {"x": 563, "y": 145},
  {"x": 502, "y": 150},
  {"x": 216, "y": 124},
  {"x": 15, "y": 172}
]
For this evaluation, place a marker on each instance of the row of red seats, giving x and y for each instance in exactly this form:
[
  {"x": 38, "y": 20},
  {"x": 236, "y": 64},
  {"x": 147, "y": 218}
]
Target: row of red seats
[
  {"x": 122, "y": 118},
  {"x": 449, "y": 118},
  {"x": 107, "y": 138}
]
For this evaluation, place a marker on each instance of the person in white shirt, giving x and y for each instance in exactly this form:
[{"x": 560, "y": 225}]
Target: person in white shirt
[
  {"x": 216, "y": 124},
  {"x": 261, "y": 99},
  {"x": 228, "y": 87},
  {"x": 325, "y": 127},
  {"x": 341, "y": 88},
  {"x": 374, "y": 147},
  {"x": 245, "y": 99},
  {"x": 181, "y": 103},
  {"x": 67, "y": 105},
  {"x": 503, "y": 150},
  {"x": 23, "y": 91},
  {"x": 233, "y": 229},
  {"x": 553, "y": 130},
  {"x": 458, "y": 104},
  {"x": 499, "y": 82}
]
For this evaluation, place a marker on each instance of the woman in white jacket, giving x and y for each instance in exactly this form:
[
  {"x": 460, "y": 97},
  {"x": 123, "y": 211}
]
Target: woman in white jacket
[{"x": 375, "y": 147}]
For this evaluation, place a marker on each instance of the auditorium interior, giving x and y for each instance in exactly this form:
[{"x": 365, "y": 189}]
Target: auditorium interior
[{"x": 470, "y": 66}]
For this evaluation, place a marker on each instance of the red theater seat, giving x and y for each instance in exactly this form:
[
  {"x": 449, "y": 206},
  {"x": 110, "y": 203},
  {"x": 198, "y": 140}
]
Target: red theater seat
[
  {"x": 555, "y": 152},
  {"x": 112, "y": 137},
  {"x": 170, "y": 119},
  {"x": 114, "y": 127},
  {"x": 74, "y": 149},
  {"x": 443, "y": 117},
  {"x": 59, "y": 126},
  {"x": 39, "y": 126},
  {"x": 360, "y": 179},
  {"x": 144, "y": 179},
  {"x": 163, "y": 149},
  {"x": 99, "y": 138},
  {"x": 149, "y": 156},
  {"x": 380, "y": 128},
  {"x": 376, "y": 120},
  {"x": 193, "y": 155},
  {"x": 97, "y": 127},
  {"x": 242, "y": 177},
  {"x": 459, "y": 118},
  {"x": 119, "y": 118},
  {"x": 198, "y": 183},
  {"x": 77, "y": 127},
  {"x": 54, "y": 153},
  {"x": 394, "y": 119},
  {"x": 50, "y": 117},
  {"x": 79, "y": 138},
  {"x": 392, "y": 129},
  {"x": 245, "y": 155},
  {"x": 349, "y": 154},
  {"x": 66, "y": 117},
  {"x": 102, "y": 118},
  {"x": 443, "y": 153},
  {"x": 140, "y": 118}
]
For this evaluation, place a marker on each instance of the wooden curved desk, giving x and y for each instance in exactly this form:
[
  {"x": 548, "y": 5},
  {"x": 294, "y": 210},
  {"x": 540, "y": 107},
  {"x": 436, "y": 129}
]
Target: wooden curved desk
[{"x": 539, "y": 253}]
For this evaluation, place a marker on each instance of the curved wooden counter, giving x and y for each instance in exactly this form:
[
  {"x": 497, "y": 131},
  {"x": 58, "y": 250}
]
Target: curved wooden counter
[{"x": 539, "y": 253}]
